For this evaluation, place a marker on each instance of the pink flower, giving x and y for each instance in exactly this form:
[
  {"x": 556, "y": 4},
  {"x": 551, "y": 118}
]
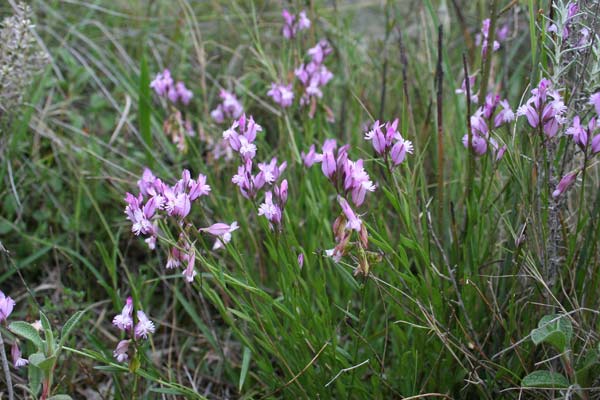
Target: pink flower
[
  {"x": 596, "y": 144},
  {"x": 18, "y": 361},
  {"x": 270, "y": 210},
  {"x": 578, "y": 132},
  {"x": 505, "y": 115},
  {"x": 120, "y": 352},
  {"x": 400, "y": 149},
  {"x": 281, "y": 94},
  {"x": 565, "y": 183},
  {"x": 311, "y": 157},
  {"x": 229, "y": 108},
  {"x": 292, "y": 24},
  {"x": 595, "y": 101},
  {"x": 124, "y": 321},
  {"x": 183, "y": 94},
  {"x": 463, "y": 88},
  {"x": 479, "y": 144},
  {"x": 144, "y": 326},
  {"x": 6, "y": 306},
  {"x": 544, "y": 107},
  {"x": 222, "y": 231},
  {"x": 189, "y": 271},
  {"x": 162, "y": 83},
  {"x": 353, "y": 221}
]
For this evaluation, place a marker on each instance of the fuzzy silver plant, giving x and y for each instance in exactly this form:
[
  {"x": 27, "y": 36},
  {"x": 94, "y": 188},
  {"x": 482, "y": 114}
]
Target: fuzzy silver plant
[{"x": 20, "y": 58}]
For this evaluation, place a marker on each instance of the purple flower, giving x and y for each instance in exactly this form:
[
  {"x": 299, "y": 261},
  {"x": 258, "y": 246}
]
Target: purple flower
[
  {"x": 18, "y": 361},
  {"x": 144, "y": 326},
  {"x": 596, "y": 144},
  {"x": 565, "y": 183},
  {"x": 124, "y": 321},
  {"x": 120, "y": 352},
  {"x": 544, "y": 107},
  {"x": 6, "y": 306},
  {"x": 292, "y": 24},
  {"x": 281, "y": 94},
  {"x": 389, "y": 142},
  {"x": 479, "y": 144},
  {"x": 578, "y": 132},
  {"x": 301, "y": 260},
  {"x": 400, "y": 149},
  {"x": 229, "y": 108},
  {"x": 303, "y": 21},
  {"x": 353, "y": 221},
  {"x": 163, "y": 86},
  {"x": 314, "y": 75},
  {"x": 595, "y": 101},
  {"x": 173, "y": 259},
  {"x": 270, "y": 210},
  {"x": 183, "y": 94},
  {"x": 482, "y": 38},
  {"x": 189, "y": 271},
  {"x": 311, "y": 157},
  {"x": 162, "y": 83},
  {"x": 222, "y": 231},
  {"x": 505, "y": 115},
  {"x": 463, "y": 88}
]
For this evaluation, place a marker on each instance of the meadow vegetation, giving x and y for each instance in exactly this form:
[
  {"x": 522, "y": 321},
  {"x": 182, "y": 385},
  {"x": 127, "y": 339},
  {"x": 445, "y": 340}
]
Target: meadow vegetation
[{"x": 301, "y": 199}]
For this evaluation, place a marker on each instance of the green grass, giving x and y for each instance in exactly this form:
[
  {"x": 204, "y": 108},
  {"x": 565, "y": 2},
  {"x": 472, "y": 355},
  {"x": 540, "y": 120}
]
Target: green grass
[{"x": 451, "y": 297}]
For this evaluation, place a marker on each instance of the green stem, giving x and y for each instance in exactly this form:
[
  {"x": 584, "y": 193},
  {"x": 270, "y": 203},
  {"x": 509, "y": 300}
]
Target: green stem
[{"x": 360, "y": 313}]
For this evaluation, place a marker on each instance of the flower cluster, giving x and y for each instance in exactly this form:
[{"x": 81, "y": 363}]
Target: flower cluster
[
  {"x": 494, "y": 113},
  {"x": 229, "y": 108},
  {"x": 314, "y": 75},
  {"x": 544, "y": 108},
  {"x": 164, "y": 86},
  {"x": 292, "y": 24},
  {"x": 281, "y": 94},
  {"x": 350, "y": 180},
  {"x": 347, "y": 176},
  {"x": 241, "y": 136},
  {"x": 389, "y": 144},
  {"x": 137, "y": 331},
  {"x": 155, "y": 196},
  {"x": 483, "y": 37},
  {"x": 585, "y": 136}
]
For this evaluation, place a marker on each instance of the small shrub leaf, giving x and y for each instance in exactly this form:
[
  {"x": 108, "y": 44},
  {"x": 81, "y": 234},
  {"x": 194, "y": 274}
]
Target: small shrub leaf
[
  {"x": 554, "y": 330},
  {"x": 545, "y": 379},
  {"x": 27, "y": 331}
]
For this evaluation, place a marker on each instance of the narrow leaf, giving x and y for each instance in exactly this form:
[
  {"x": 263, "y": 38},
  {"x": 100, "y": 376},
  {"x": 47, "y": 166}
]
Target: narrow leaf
[
  {"x": 69, "y": 325},
  {"x": 245, "y": 365}
]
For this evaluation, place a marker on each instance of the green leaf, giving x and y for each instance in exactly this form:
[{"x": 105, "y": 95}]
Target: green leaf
[
  {"x": 245, "y": 365},
  {"x": 60, "y": 397},
  {"x": 144, "y": 97},
  {"x": 545, "y": 379},
  {"x": 553, "y": 329},
  {"x": 47, "y": 365},
  {"x": 28, "y": 332},
  {"x": 48, "y": 335},
  {"x": 69, "y": 325},
  {"x": 34, "y": 376}
]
